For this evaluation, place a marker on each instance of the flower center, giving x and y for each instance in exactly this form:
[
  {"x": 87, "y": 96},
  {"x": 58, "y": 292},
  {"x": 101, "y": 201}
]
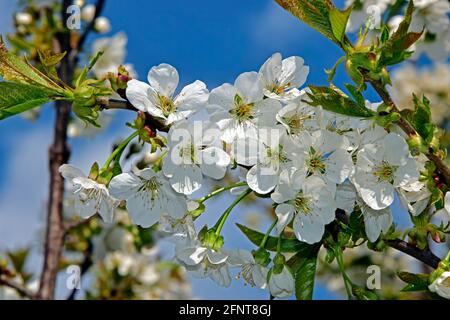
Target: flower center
[
  {"x": 187, "y": 153},
  {"x": 302, "y": 203},
  {"x": 277, "y": 88},
  {"x": 296, "y": 123},
  {"x": 152, "y": 186},
  {"x": 241, "y": 110},
  {"x": 275, "y": 157},
  {"x": 315, "y": 162},
  {"x": 384, "y": 172},
  {"x": 166, "y": 105}
]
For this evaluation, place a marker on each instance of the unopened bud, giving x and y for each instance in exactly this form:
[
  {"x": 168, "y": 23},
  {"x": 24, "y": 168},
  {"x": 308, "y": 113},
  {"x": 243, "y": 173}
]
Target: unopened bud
[
  {"x": 23, "y": 18},
  {"x": 102, "y": 25},
  {"x": 262, "y": 257},
  {"x": 88, "y": 12}
]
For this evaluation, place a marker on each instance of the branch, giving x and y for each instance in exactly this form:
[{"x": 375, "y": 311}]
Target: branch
[
  {"x": 84, "y": 268},
  {"x": 110, "y": 104},
  {"x": 408, "y": 129},
  {"x": 58, "y": 155},
  {"x": 425, "y": 256},
  {"x": 19, "y": 288},
  {"x": 98, "y": 11}
]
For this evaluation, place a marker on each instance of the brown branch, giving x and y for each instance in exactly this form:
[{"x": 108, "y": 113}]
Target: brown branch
[
  {"x": 58, "y": 155},
  {"x": 408, "y": 128},
  {"x": 111, "y": 104},
  {"x": 425, "y": 255},
  {"x": 18, "y": 287},
  {"x": 98, "y": 11}
]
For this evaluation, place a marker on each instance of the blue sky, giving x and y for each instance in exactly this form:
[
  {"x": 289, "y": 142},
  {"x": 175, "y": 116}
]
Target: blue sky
[{"x": 213, "y": 41}]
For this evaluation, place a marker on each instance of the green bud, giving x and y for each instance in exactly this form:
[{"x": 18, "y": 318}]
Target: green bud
[
  {"x": 278, "y": 263},
  {"x": 262, "y": 257},
  {"x": 93, "y": 173}
]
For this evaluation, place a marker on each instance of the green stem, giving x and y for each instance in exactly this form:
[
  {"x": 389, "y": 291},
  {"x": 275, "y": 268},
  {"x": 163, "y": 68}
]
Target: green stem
[
  {"x": 227, "y": 212},
  {"x": 279, "y": 244},
  {"x": 219, "y": 191},
  {"x": 266, "y": 236},
  {"x": 118, "y": 152},
  {"x": 347, "y": 282}
]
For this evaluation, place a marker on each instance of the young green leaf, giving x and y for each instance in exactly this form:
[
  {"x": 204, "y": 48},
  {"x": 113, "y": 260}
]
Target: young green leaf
[
  {"x": 317, "y": 14},
  {"x": 339, "y": 20},
  {"x": 303, "y": 264},
  {"x": 15, "y": 69},
  {"x": 337, "y": 102},
  {"x": 16, "y": 98},
  {"x": 287, "y": 245}
]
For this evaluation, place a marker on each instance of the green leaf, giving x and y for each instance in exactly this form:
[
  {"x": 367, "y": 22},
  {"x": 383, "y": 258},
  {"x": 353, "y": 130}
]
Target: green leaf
[
  {"x": 420, "y": 119},
  {"x": 332, "y": 72},
  {"x": 339, "y": 20},
  {"x": 303, "y": 264},
  {"x": 15, "y": 69},
  {"x": 16, "y": 98},
  {"x": 394, "y": 50},
  {"x": 415, "y": 282},
  {"x": 317, "y": 14},
  {"x": 337, "y": 102},
  {"x": 287, "y": 244},
  {"x": 18, "y": 259}
]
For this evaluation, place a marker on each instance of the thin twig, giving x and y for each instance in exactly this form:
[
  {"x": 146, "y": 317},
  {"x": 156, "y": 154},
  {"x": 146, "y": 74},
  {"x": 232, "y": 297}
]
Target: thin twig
[
  {"x": 98, "y": 11},
  {"x": 84, "y": 268},
  {"x": 18, "y": 287}
]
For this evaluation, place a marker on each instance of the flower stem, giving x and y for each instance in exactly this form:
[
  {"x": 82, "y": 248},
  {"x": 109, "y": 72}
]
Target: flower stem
[
  {"x": 118, "y": 152},
  {"x": 227, "y": 212},
  {"x": 219, "y": 191},
  {"x": 347, "y": 282},
  {"x": 266, "y": 236}
]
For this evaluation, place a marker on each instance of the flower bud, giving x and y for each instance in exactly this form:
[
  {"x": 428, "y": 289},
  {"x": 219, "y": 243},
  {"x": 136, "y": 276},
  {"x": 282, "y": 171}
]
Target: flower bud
[
  {"x": 88, "y": 12},
  {"x": 262, "y": 257},
  {"x": 23, "y": 18},
  {"x": 102, "y": 25}
]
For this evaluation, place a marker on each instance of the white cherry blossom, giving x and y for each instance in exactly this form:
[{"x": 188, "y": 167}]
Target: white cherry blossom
[
  {"x": 158, "y": 97},
  {"x": 91, "y": 197},
  {"x": 252, "y": 272},
  {"x": 240, "y": 110},
  {"x": 195, "y": 150},
  {"x": 281, "y": 285},
  {"x": 148, "y": 196},
  {"x": 309, "y": 203},
  {"x": 282, "y": 78},
  {"x": 381, "y": 167}
]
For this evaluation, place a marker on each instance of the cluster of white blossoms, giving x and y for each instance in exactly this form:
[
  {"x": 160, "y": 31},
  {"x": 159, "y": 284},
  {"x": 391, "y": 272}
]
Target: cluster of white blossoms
[
  {"x": 432, "y": 82},
  {"x": 430, "y": 16},
  {"x": 309, "y": 161}
]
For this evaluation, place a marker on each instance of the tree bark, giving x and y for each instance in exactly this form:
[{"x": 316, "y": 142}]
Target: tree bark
[{"x": 59, "y": 154}]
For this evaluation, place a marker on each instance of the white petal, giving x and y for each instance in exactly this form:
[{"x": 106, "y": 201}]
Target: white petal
[
  {"x": 262, "y": 179},
  {"x": 376, "y": 221},
  {"x": 192, "y": 97},
  {"x": 338, "y": 166},
  {"x": 294, "y": 72},
  {"x": 138, "y": 94},
  {"x": 271, "y": 69},
  {"x": 70, "y": 172},
  {"x": 308, "y": 228},
  {"x": 164, "y": 79},
  {"x": 124, "y": 186},
  {"x": 396, "y": 149},
  {"x": 214, "y": 162},
  {"x": 250, "y": 86},
  {"x": 192, "y": 256},
  {"x": 222, "y": 97},
  {"x": 285, "y": 214},
  {"x": 187, "y": 179}
]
